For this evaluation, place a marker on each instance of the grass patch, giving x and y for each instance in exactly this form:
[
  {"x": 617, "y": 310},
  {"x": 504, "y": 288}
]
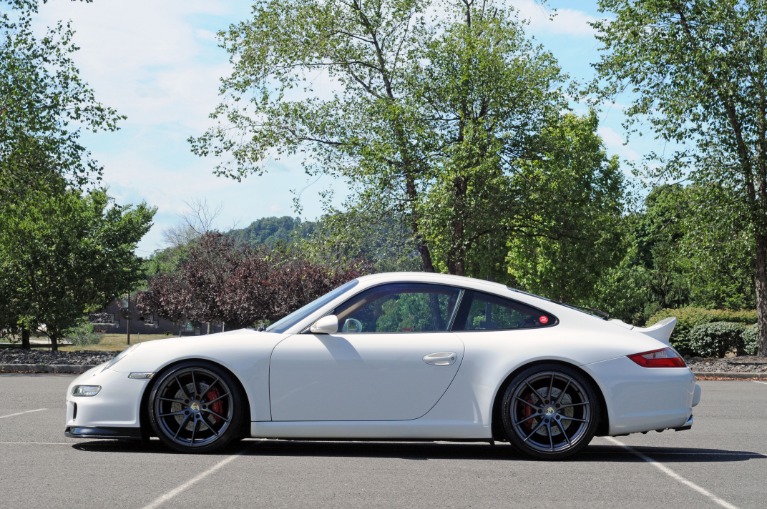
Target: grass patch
[{"x": 114, "y": 342}]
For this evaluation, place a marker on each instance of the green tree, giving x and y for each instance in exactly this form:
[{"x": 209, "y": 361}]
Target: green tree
[
  {"x": 578, "y": 194},
  {"x": 698, "y": 72},
  {"x": 680, "y": 251},
  {"x": 63, "y": 255},
  {"x": 44, "y": 104},
  {"x": 431, "y": 106},
  {"x": 372, "y": 233}
]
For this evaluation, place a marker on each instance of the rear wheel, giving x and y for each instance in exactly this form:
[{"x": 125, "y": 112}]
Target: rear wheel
[
  {"x": 550, "y": 411},
  {"x": 196, "y": 407}
]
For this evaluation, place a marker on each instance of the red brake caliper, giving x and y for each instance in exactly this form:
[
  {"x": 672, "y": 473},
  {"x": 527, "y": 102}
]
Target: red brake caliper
[
  {"x": 527, "y": 411},
  {"x": 217, "y": 406}
]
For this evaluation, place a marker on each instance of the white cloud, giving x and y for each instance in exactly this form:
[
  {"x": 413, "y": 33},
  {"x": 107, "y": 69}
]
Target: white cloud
[
  {"x": 562, "y": 21},
  {"x": 146, "y": 58},
  {"x": 158, "y": 62},
  {"x": 615, "y": 143}
]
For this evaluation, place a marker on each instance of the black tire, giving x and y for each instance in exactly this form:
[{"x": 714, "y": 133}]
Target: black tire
[
  {"x": 550, "y": 411},
  {"x": 196, "y": 407}
]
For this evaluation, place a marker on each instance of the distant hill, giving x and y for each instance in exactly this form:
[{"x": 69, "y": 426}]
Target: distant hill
[{"x": 271, "y": 231}]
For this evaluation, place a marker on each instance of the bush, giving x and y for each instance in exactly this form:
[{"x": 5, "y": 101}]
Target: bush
[
  {"x": 751, "y": 339},
  {"x": 715, "y": 339},
  {"x": 689, "y": 317},
  {"x": 82, "y": 334}
]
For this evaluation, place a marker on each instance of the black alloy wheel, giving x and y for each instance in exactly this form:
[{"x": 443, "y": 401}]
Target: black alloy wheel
[
  {"x": 550, "y": 411},
  {"x": 196, "y": 407}
]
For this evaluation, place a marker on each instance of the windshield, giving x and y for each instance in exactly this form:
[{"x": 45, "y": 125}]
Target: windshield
[{"x": 293, "y": 318}]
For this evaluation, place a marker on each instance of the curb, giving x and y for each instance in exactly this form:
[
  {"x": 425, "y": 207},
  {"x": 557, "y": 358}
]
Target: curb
[
  {"x": 76, "y": 369},
  {"x": 725, "y": 374}
]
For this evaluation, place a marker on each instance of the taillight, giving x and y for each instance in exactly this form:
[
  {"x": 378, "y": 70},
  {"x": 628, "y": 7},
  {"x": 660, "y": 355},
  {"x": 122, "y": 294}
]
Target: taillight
[{"x": 663, "y": 358}]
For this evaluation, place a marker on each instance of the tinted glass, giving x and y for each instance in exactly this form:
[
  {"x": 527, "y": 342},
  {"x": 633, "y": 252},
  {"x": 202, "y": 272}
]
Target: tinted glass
[
  {"x": 490, "y": 312},
  {"x": 400, "y": 307}
]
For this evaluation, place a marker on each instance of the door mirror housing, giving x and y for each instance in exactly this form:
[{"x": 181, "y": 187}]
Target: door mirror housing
[{"x": 325, "y": 325}]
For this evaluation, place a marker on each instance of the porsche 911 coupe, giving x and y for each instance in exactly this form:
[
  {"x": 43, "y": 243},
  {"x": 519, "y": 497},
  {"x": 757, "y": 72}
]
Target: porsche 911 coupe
[{"x": 400, "y": 356}]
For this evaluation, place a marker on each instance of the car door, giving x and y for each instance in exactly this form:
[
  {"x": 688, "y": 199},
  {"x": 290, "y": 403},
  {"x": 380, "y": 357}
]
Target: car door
[{"x": 392, "y": 358}]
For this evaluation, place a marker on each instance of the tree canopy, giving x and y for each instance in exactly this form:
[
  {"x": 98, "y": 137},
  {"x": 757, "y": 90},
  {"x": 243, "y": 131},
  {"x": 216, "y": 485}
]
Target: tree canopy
[
  {"x": 44, "y": 104},
  {"x": 63, "y": 255},
  {"x": 222, "y": 280},
  {"x": 422, "y": 106},
  {"x": 65, "y": 248},
  {"x": 698, "y": 72}
]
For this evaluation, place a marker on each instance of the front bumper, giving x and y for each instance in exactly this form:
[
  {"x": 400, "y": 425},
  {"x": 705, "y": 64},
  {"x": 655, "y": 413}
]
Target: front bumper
[
  {"x": 114, "y": 433},
  {"x": 112, "y": 413}
]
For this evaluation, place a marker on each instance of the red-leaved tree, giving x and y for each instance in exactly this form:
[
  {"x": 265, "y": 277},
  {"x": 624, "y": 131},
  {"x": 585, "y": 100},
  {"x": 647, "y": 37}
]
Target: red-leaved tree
[{"x": 238, "y": 285}]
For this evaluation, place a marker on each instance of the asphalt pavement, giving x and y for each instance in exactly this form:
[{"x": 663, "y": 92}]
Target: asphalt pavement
[{"x": 719, "y": 463}]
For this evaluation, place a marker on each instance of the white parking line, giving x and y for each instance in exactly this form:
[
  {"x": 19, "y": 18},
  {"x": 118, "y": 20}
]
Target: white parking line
[
  {"x": 168, "y": 496},
  {"x": 38, "y": 443},
  {"x": 674, "y": 475},
  {"x": 22, "y": 413},
  {"x": 763, "y": 383}
]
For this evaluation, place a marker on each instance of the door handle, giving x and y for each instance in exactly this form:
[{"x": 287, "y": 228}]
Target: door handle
[{"x": 440, "y": 358}]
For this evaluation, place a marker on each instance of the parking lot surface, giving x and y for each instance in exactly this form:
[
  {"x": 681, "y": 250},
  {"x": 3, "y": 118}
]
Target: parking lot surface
[{"x": 721, "y": 462}]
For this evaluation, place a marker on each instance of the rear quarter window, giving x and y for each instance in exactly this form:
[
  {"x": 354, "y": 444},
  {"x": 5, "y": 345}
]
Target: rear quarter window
[{"x": 483, "y": 311}]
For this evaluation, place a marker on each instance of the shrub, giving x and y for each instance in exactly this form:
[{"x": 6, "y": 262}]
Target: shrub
[
  {"x": 82, "y": 334},
  {"x": 751, "y": 339},
  {"x": 715, "y": 339},
  {"x": 689, "y": 317}
]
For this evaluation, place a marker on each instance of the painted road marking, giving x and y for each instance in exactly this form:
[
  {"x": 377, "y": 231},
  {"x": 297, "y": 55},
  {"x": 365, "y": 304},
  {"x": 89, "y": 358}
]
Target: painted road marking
[
  {"x": 171, "y": 494},
  {"x": 674, "y": 475},
  {"x": 22, "y": 413}
]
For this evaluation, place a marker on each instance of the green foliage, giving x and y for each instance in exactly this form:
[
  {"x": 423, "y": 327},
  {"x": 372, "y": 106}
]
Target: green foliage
[
  {"x": 375, "y": 233},
  {"x": 696, "y": 72},
  {"x": 434, "y": 105},
  {"x": 679, "y": 251},
  {"x": 579, "y": 192},
  {"x": 751, "y": 339},
  {"x": 82, "y": 333},
  {"x": 63, "y": 255},
  {"x": 689, "y": 317},
  {"x": 44, "y": 104},
  {"x": 715, "y": 339},
  {"x": 273, "y": 232}
]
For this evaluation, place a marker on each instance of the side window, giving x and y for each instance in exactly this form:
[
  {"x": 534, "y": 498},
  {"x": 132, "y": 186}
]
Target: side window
[
  {"x": 490, "y": 312},
  {"x": 400, "y": 307}
]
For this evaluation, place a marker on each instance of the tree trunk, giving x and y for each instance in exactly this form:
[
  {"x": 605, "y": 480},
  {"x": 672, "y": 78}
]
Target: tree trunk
[
  {"x": 25, "y": 339},
  {"x": 760, "y": 280},
  {"x": 54, "y": 343}
]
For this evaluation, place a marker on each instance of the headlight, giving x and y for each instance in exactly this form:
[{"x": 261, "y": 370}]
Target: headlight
[
  {"x": 119, "y": 356},
  {"x": 86, "y": 390}
]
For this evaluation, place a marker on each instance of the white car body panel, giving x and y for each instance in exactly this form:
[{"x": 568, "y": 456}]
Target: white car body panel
[
  {"x": 360, "y": 377},
  {"x": 368, "y": 386}
]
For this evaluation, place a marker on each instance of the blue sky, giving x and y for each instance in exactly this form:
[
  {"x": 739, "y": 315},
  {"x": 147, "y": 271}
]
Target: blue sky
[{"x": 158, "y": 63}]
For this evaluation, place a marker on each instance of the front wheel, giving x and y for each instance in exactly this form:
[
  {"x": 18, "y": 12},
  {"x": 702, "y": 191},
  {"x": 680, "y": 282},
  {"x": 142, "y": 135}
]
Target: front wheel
[
  {"x": 550, "y": 411},
  {"x": 196, "y": 407}
]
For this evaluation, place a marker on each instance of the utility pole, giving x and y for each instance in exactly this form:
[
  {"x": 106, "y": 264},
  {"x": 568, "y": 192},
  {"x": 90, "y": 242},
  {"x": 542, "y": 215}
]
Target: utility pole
[{"x": 127, "y": 319}]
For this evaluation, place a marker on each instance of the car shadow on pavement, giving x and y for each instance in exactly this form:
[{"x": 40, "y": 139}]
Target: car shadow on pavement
[{"x": 431, "y": 450}]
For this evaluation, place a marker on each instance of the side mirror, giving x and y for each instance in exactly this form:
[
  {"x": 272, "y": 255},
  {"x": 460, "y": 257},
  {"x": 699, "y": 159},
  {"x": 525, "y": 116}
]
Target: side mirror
[{"x": 325, "y": 325}]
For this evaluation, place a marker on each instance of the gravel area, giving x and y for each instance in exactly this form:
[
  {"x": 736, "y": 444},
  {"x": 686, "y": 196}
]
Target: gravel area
[
  {"x": 741, "y": 364},
  {"x": 37, "y": 356},
  {"x": 40, "y": 357}
]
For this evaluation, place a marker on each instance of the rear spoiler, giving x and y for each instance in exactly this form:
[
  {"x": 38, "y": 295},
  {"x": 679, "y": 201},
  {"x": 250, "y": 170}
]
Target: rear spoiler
[{"x": 661, "y": 330}]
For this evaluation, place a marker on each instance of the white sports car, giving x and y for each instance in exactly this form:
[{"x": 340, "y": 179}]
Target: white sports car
[{"x": 403, "y": 356}]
